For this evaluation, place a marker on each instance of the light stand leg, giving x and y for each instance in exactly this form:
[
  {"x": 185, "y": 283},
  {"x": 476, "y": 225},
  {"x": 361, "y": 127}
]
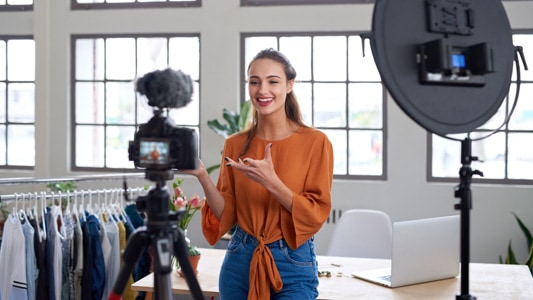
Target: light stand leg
[{"x": 463, "y": 191}]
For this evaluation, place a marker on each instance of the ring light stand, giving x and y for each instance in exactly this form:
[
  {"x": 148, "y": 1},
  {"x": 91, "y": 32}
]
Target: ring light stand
[{"x": 448, "y": 65}]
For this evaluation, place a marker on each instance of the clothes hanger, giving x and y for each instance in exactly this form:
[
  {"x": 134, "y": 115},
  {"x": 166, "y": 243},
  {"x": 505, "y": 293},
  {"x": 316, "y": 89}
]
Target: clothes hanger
[
  {"x": 43, "y": 218},
  {"x": 22, "y": 213}
]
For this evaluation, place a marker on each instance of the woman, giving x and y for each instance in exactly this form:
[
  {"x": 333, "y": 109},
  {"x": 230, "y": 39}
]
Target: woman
[{"x": 275, "y": 184}]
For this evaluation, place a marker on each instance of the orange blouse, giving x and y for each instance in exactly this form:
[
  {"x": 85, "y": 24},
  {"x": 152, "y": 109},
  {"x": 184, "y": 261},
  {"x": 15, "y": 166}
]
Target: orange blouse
[{"x": 304, "y": 162}]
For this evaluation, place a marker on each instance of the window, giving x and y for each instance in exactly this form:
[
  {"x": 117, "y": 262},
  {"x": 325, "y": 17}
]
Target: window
[
  {"x": 16, "y": 5},
  {"x": 105, "y": 4},
  {"x": 17, "y": 102},
  {"x": 106, "y": 109},
  {"x": 505, "y": 156},
  {"x": 339, "y": 92}
]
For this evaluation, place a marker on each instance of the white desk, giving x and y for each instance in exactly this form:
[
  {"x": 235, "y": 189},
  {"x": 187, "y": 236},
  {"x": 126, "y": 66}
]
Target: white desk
[{"x": 487, "y": 281}]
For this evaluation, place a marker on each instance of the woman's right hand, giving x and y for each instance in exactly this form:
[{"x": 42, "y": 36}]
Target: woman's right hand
[{"x": 198, "y": 172}]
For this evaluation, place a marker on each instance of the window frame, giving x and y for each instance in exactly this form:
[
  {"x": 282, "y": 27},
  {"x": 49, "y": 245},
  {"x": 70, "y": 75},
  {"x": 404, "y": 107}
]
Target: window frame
[
  {"x": 505, "y": 130},
  {"x": 73, "y": 81},
  {"x": 74, "y": 5},
  {"x": 384, "y": 128},
  {"x": 8, "y": 166},
  {"x": 16, "y": 7}
]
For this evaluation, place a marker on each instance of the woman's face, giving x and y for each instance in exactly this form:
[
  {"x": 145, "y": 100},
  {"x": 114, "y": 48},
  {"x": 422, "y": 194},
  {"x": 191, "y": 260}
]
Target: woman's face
[{"x": 268, "y": 86}]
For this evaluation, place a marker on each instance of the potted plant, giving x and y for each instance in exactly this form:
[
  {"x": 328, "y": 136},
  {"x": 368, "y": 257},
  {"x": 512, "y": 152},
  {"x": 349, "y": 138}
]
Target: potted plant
[
  {"x": 234, "y": 122},
  {"x": 510, "y": 256},
  {"x": 191, "y": 206}
]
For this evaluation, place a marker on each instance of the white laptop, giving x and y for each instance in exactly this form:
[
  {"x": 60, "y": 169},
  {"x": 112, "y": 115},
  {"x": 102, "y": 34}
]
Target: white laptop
[{"x": 422, "y": 250}]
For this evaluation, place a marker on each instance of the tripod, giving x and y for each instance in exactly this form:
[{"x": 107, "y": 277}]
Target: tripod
[
  {"x": 165, "y": 238},
  {"x": 465, "y": 205}
]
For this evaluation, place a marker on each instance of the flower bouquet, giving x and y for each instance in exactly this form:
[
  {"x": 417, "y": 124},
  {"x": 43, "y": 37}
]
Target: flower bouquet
[{"x": 192, "y": 206}]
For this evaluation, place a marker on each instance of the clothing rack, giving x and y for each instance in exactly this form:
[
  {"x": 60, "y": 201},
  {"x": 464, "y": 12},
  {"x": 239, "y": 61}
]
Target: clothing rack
[
  {"x": 55, "y": 195},
  {"x": 48, "y": 195},
  {"x": 99, "y": 177}
]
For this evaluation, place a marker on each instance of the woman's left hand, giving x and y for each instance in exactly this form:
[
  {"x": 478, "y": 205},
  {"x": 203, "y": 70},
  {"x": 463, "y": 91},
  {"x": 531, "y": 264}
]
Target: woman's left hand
[{"x": 261, "y": 171}]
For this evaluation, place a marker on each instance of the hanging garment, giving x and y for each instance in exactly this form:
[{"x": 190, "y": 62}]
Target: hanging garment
[
  {"x": 13, "y": 285},
  {"x": 97, "y": 268},
  {"x": 31, "y": 260},
  {"x": 40, "y": 254}
]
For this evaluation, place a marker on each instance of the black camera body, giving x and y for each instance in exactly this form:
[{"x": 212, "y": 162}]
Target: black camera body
[{"x": 159, "y": 145}]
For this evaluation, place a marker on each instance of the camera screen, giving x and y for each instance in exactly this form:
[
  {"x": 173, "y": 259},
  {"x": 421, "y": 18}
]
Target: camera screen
[
  {"x": 458, "y": 61},
  {"x": 153, "y": 152}
]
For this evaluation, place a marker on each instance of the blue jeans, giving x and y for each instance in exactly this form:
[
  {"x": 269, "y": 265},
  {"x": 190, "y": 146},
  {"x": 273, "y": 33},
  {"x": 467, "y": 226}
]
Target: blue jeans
[{"x": 298, "y": 268}]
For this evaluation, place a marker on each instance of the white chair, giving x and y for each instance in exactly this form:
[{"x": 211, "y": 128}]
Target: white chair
[{"x": 362, "y": 233}]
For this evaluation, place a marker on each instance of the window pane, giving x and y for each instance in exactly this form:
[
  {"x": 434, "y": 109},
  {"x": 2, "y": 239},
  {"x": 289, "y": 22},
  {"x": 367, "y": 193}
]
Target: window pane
[
  {"x": 120, "y": 108},
  {"x": 304, "y": 93},
  {"x": 3, "y": 145},
  {"x": 446, "y": 156},
  {"x": 298, "y": 51},
  {"x": 366, "y": 152},
  {"x": 89, "y": 146},
  {"x": 338, "y": 140},
  {"x": 491, "y": 153},
  {"x": 117, "y": 146},
  {"x": 361, "y": 68},
  {"x": 334, "y": 67},
  {"x": 185, "y": 55},
  {"x": 21, "y": 60},
  {"x": 520, "y": 155},
  {"x": 255, "y": 44},
  {"x": 330, "y": 105},
  {"x": 19, "y": 2},
  {"x": 522, "y": 118},
  {"x": 90, "y": 102},
  {"x": 3, "y": 60},
  {"x": 2, "y": 103},
  {"x": 526, "y": 41},
  {"x": 365, "y": 104},
  {"x": 120, "y": 58},
  {"x": 90, "y": 59},
  {"x": 21, "y": 146},
  {"x": 21, "y": 102},
  {"x": 151, "y": 55}
]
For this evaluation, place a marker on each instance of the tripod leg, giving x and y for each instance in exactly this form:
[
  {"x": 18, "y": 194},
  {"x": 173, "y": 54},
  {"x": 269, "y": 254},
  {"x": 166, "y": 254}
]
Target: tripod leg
[
  {"x": 138, "y": 241},
  {"x": 182, "y": 254},
  {"x": 162, "y": 245}
]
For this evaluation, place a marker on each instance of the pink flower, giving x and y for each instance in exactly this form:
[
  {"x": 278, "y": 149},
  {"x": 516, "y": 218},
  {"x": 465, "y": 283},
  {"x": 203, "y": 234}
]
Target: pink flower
[
  {"x": 178, "y": 192},
  {"x": 180, "y": 202},
  {"x": 193, "y": 203}
]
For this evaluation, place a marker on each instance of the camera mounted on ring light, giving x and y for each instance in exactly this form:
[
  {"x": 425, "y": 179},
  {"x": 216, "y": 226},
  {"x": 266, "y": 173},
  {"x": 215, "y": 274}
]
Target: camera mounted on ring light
[
  {"x": 159, "y": 146},
  {"x": 444, "y": 61}
]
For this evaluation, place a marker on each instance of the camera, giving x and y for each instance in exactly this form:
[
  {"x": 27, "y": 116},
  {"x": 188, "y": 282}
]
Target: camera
[{"x": 159, "y": 145}]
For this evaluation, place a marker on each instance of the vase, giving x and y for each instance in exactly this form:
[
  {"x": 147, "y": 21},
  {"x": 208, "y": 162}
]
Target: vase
[{"x": 194, "y": 260}]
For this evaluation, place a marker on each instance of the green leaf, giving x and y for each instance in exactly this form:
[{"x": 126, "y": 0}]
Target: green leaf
[
  {"x": 212, "y": 168},
  {"x": 525, "y": 230},
  {"x": 245, "y": 114},
  {"x": 219, "y": 128},
  {"x": 529, "y": 260},
  {"x": 510, "y": 259},
  {"x": 232, "y": 118}
]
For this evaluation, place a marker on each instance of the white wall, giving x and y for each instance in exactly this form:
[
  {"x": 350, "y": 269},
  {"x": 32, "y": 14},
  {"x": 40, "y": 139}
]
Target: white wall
[{"x": 405, "y": 195}]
